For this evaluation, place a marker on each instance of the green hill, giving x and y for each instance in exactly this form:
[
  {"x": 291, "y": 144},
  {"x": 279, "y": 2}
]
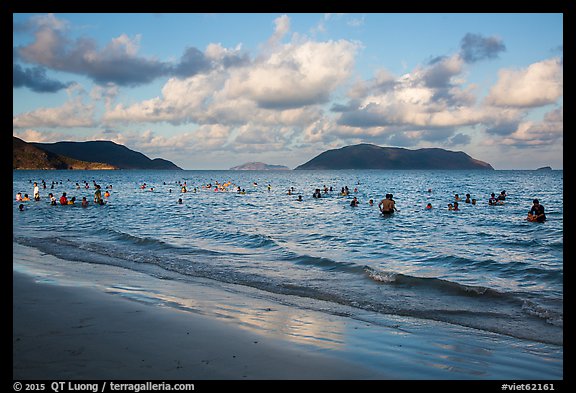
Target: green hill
[
  {"x": 368, "y": 156},
  {"x": 27, "y": 156},
  {"x": 108, "y": 152}
]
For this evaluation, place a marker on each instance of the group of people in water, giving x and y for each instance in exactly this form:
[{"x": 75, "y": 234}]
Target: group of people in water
[
  {"x": 387, "y": 205},
  {"x": 63, "y": 200}
]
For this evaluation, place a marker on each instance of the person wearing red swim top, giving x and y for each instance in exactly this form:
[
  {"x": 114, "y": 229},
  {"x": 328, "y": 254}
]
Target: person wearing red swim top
[{"x": 63, "y": 199}]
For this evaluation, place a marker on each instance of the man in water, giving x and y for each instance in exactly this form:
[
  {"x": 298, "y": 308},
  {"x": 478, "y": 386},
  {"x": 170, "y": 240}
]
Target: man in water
[
  {"x": 387, "y": 205},
  {"x": 536, "y": 213}
]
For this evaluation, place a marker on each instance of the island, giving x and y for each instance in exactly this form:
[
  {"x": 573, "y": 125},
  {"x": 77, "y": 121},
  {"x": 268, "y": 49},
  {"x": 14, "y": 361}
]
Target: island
[
  {"x": 82, "y": 155},
  {"x": 369, "y": 156},
  {"x": 259, "y": 166}
]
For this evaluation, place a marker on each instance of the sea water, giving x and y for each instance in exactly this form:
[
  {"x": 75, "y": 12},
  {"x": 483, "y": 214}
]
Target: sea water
[{"x": 483, "y": 267}]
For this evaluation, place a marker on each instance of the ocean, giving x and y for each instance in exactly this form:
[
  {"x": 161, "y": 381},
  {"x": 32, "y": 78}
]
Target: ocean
[{"x": 483, "y": 267}]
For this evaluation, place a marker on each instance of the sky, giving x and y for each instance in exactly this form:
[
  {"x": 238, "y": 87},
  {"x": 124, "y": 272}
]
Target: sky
[{"x": 212, "y": 91}]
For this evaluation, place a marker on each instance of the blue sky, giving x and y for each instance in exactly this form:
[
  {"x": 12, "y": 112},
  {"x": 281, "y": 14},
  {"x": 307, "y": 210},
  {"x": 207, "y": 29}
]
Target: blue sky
[{"x": 211, "y": 91}]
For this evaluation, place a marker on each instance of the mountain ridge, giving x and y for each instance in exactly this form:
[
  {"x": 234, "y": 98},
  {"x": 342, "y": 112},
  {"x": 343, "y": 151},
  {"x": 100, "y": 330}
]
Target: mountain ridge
[
  {"x": 82, "y": 155},
  {"x": 259, "y": 166},
  {"x": 369, "y": 156}
]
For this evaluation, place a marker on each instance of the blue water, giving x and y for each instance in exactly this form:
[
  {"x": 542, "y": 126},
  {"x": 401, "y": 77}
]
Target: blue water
[{"x": 483, "y": 267}]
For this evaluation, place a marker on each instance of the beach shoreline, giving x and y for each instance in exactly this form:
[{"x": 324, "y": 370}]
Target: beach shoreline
[
  {"x": 79, "y": 333},
  {"x": 74, "y": 320}
]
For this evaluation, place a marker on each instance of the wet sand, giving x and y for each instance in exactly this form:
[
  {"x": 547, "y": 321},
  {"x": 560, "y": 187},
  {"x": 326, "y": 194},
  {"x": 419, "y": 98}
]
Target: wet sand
[{"x": 79, "y": 321}]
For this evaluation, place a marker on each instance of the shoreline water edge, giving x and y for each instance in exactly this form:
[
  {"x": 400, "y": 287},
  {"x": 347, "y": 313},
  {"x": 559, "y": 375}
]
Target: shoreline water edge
[{"x": 80, "y": 321}]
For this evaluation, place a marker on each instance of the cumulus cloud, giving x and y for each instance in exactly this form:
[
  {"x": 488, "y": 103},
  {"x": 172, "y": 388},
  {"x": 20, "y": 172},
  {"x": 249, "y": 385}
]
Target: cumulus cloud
[
  {"x": 295, "y": 75},
  {"x": 475, "y": 47},
  {"x": 433, "y": 103},
  {"x": 539, "y": 84},
  {"x": 285, "y": 86},
  {"x": 545, "y": 132},
  {"x": 73, "y": 113},
  {"x": 431, "y": 96},
  {"x": 440, "y": 71},
  {"x": 35, "y": 79},
  {"x": 117, "y": 62}
]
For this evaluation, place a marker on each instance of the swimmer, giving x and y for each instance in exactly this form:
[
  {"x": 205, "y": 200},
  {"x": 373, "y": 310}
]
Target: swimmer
[
  {"x": 97, "y": 194},
  {"x": 21, "y": 207},
  {"x": 492, "y": 200},
  {"x": 428, "y": 206},
  {"x": 18, "y": 196},
  {"x": 354, "y": 202},
  {"x": 25, "y": 198},
  {"x": 84, "y": 202},
  {"x": 63, "y": 199},
  {"x": 71, "y": 201},
  {"x": 536, "y": 212},
  {"x": 450, "y": 207},
  {"x": 456, "y": 207},
  {"x": 387, "y": 205}
]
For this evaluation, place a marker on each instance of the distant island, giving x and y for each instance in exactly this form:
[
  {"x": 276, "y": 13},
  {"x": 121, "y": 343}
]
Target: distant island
[
  {"x": 369, "y": 156},
  {"x": 259, "y": 166},
  {"x": 544, "y": 168},
  {"x": 81, "y": 155}
]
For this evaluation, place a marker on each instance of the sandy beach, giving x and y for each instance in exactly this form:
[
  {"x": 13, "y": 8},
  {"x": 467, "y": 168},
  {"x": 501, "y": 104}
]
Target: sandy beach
[
  {"x": 80, "y": 321},
  {"x": 80, "y": 333}
]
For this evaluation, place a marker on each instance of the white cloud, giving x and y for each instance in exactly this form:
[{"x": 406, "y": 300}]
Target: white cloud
[
  {"x": 295, "y": 75},
  {"x": 283, "y": 89},
  {"x": 73, "y": 113},
  {"x": 538, "y": 133},
  {"x": 536, "y": 85}
]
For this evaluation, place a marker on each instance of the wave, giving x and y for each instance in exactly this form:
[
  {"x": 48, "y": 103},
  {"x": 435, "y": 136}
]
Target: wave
[
  {"x": 430, "y": 282},
  {"x": 238, "y": 238},
  {"x": 451, "y": 288},
  {"x": 512, "y": 269},
  {"x": 154, "y": 244},
  {"x": 324, "y": 263},
  {"x": 465, "y": 305},
  {"x": 137, "y": 240}
]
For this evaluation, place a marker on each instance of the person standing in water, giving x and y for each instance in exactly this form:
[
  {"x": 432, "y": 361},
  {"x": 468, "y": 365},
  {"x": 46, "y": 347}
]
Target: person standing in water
[
  {"x": 536, "y": 213},
  {"x": 387, "y": 205},
  {"x": 36, "y": 192},
  {"x": 97, "y": 194}
]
